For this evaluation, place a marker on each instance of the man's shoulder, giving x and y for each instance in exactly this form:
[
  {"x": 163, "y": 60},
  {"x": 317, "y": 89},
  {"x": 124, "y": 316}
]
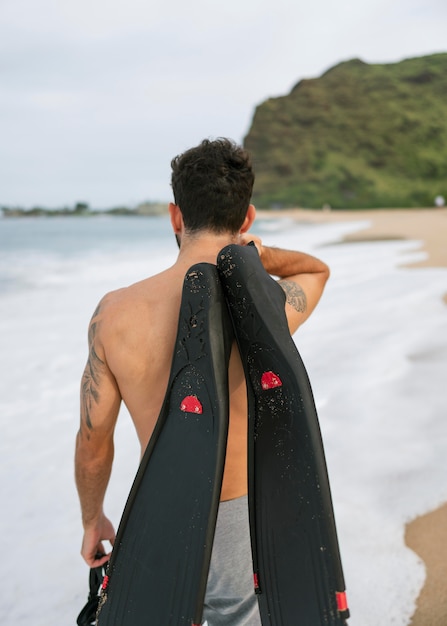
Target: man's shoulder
[
  {"x": 128, "y": 294},
  {"x": 121, "y": 302},
  {"x": 111, "y": 308},
  {"x": 110, "y": 302}
]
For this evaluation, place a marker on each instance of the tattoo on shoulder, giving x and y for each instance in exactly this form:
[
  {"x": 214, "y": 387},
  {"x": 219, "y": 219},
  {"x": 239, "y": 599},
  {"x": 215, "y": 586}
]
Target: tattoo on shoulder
[
  {"x": 91, "y": 377},
  {"x": 295, "y": 296}
]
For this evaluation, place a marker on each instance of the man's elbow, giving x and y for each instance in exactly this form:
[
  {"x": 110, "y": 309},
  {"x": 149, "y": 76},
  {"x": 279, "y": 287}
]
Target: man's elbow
[{"x": 325, "y": 273}]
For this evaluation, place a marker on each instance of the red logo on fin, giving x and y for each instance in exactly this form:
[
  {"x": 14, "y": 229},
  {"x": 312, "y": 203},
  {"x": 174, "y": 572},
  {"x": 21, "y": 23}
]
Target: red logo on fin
[
  {"x": 269, "y": 380},
  {"x": 191, "y": 404}
]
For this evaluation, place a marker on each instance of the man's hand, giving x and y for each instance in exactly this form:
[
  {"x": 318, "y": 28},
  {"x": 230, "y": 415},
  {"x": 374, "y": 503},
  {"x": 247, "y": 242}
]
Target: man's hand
[
  {"x": 246, "y": 238},
  {"x": 92, "y": 544}
]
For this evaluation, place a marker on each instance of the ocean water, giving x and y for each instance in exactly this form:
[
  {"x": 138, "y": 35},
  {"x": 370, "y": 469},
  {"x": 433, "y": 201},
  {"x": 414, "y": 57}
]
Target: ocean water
[{"x": 375, "y": 350}]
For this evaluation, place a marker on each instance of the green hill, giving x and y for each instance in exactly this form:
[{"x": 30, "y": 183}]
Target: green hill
[{"x": 360, "y": 136}]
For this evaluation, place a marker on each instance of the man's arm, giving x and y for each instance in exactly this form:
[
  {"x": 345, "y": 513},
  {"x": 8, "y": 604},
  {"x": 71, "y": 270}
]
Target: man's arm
[
  {"x": 302, "y": 276},
  {"x": 100, "y": 402}
]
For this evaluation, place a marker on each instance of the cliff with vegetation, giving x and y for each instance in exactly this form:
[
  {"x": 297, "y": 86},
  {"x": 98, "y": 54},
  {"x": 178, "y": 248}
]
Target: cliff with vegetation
[{"x": 360, "y": 136}]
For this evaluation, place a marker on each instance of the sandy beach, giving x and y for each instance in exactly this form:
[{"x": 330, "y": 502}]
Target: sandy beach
[{"x": 426, "y": 535}]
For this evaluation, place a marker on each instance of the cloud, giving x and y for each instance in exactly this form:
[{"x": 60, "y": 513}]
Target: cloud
[{"x": 96, "y": 97}]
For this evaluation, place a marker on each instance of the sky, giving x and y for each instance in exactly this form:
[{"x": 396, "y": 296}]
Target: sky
[{"x": 97, "y": 96}]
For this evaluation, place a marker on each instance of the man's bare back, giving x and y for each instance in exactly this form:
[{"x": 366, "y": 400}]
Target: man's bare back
[{"x": 135, "y": 333}]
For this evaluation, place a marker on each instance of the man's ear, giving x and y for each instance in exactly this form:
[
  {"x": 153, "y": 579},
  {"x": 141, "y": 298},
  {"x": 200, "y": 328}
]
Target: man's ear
[
  {"x": 176, "y": 218},
  {"x": 249, "y": 219}
]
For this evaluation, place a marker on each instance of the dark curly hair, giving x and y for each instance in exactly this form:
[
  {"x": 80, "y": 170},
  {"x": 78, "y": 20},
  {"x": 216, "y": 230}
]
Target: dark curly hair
[{"x": 212, "y": 185}]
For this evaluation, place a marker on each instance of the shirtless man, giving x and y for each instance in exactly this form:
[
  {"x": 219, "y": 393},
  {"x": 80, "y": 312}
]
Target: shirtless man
[{"x": 212, "y": 186}]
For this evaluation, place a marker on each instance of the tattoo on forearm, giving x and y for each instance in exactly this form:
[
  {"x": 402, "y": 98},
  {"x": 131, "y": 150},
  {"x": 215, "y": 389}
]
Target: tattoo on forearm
[
  {"x": 295, "y": 296},
  {"x": 91, "y": 377}
]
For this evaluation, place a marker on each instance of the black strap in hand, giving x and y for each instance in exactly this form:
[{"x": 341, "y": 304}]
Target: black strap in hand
[{"x": 87, "y": 616}]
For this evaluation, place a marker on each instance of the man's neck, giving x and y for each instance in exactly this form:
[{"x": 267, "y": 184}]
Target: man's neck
[{"x": 203, "y": 247}]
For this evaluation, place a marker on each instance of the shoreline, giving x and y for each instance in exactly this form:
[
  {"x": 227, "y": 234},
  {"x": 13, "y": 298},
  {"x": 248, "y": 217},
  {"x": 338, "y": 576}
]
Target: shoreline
[
  {"x": 426, "y": 535},
  {"x": 428, "y": 226}
]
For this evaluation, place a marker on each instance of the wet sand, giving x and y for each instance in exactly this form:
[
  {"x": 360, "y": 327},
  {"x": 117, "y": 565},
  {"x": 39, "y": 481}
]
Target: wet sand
[
  {"x": 426, "y": 535},
  {"x": 429, "y": 226}
]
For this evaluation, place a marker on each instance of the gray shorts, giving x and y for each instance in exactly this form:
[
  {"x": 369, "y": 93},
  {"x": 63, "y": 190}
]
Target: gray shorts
[{"x": 230, "y": 598}]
